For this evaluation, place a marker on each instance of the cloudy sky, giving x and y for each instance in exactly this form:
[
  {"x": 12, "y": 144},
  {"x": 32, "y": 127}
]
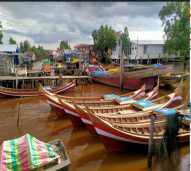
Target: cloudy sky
[{"x": 47, "y": 23}]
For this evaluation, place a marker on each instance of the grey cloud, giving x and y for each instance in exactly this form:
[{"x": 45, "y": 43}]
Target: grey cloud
[{"x": 64, "y": 20}]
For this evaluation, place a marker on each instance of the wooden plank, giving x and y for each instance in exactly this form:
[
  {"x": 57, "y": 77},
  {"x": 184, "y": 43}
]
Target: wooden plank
[{"x": 6, "y": 78}]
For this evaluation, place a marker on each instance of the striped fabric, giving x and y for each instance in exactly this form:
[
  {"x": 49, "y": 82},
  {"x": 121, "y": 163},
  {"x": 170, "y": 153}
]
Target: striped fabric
[{"x": 26, "y": 153}]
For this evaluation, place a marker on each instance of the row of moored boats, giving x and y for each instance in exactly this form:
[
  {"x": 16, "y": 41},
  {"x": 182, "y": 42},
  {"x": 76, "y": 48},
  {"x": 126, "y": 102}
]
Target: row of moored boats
[{"x": 124, "y": 118}]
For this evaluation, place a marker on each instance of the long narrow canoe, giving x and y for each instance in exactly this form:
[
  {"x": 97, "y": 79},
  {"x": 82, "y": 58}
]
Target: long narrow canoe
[
  {"x": 68, "y": 107},
  {"x": 117, "y": 136},
  {"x": 56, "y": 101},
  {"x": 126, "y": 113},
  {"x": 93, "y": 98},
  {"x": 34, "y": 92}
]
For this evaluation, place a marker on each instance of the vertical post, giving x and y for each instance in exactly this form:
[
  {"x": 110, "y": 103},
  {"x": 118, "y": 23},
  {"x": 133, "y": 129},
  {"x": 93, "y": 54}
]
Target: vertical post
[
  {"x": 18, "y": 113},
  {"x": 151, "y": 142},
  {"x": 16, "y": 86},
  {"x": 121, "y": 65}
]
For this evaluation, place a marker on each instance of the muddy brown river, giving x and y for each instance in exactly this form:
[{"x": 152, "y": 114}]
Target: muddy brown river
[{"x": 86, "y": 152}]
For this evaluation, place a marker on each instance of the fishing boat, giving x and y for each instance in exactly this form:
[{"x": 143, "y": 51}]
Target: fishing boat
[
  {"x": 12, "y": 92},
  {"x": 139, "y": 117},
  {"x": 85, "y": 110},
  {"x": 58, "y": 102},
  {"x": 128, "y": 113},
  {"x": 185, "y": 116},
  {"x": 116, "y": 136},
  {"x": 64, "y": 163},
  {"x": 29, "y": 153},
  {"x": 132, "y": 80}
]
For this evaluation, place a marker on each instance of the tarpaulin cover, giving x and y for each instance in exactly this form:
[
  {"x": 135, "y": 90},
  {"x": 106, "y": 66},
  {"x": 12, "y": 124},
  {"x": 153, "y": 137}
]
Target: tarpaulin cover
[
  {"x": 109, "y": 96},
  {"x": 157, "y": 65},
  {"x": 143, "y": 103},
  {"x": 123, "y": 100},
  {"x": 165, "y": 111},
  {"x": 99, "y": 73},
  {"x": 26, "y": 153}
]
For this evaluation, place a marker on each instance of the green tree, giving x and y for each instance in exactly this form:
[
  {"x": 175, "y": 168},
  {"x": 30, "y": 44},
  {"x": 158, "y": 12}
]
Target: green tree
[
  {"x": 64, "y": 45},
  {"x": 104, "y": 39},
  {"x": 1, "y": 33},
  {"x": 25, "y": 46},
  {"x": 39, "y": 52},
  {"x": 175, "y": 19},
  {"x": 125, "y": 41},
  {"x": 12, "y": 41}
]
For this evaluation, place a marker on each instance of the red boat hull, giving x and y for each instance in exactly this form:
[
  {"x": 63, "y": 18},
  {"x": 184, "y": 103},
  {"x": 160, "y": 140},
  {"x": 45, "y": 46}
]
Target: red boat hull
[
  {"x": 130, "y": 83},
  {"x": 115, "y": 140},
  {"x": 87, "y": 122},
  {"x": 29, "y": 93},
  {"x": 57, "y": 108}
]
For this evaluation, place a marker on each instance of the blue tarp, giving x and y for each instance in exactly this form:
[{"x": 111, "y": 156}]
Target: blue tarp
[
  {"x": 143, "y": 103},
  {"x": 166, "y": 111},
  {"x": 110, "y": 96},
  {"x": 157, "y": 65},
  {"x": 99, "y": 73}
]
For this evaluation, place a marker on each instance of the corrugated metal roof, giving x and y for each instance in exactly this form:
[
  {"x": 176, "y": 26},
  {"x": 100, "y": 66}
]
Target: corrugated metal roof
[
  {"x": 8, "y": 48},
  {"x": 148, "y": 42}
]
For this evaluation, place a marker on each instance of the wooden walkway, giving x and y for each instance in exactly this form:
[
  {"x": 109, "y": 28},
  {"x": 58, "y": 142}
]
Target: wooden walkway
[{"x": 14, "y": 78}]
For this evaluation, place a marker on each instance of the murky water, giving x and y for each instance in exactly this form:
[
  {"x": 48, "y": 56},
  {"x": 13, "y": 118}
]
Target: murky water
[{"x": 86, "y": 152}]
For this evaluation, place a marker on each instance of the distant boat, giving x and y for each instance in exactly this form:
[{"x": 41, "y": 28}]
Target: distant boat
[
  {"x": 34, "y": 92},
  {"x": 132, "y": 80}
]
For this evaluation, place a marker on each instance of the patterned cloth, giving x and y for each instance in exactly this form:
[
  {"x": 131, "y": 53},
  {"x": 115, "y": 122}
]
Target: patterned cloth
[{"x": 26, "y": 153}]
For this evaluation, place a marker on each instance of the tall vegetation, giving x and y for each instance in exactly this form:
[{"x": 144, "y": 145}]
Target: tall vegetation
[
  {"x": 39, "y": 51},
  {"x": 175, "y": 19},
  {"x": 25, "y": 46},
  {"x": 104, "y": 39},
  {"x": 125, "y": 41},
  {"x": 64, "y": 45},
  {"x": 12, "y": 41},
  {"x": 1, "y": 33}
]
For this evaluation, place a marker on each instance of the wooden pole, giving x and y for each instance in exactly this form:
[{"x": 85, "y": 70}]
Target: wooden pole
[
  {"x": 16, "y": 81},
  {"x": 18, "y": 113},
  {"x": 151, "y": 142},
  {"x": 121, "y": 65}
]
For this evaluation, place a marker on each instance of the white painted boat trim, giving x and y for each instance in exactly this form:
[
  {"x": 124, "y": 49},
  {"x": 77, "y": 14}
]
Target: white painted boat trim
[
  {"x": 71, "y": 113},
  {"x": 53, "y": 104},
  {"x": 86, "y": 121},
  {"x": 112, "y": 136}
]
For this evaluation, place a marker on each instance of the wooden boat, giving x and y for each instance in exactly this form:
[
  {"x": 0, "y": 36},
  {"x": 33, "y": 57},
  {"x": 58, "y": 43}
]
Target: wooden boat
[
  {"x": 139, "y": 117},
  {"x": 127, "y": 113},
  {"x": 56, "y": 101},
  {"x": 169, "y": 100},
  {"x": 34, "y": 92},
  {"x": 85, "y": 110},
  {"x": 185, "y": 116},
  {"x": 134, "y": 79},
  {"x": 117, "y": 136},
  {"x": 65, "y": 160}
]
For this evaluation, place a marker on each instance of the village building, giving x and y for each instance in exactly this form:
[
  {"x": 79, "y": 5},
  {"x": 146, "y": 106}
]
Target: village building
[
  {"x": 87, "y": 51},
  {"x": 29, "y": 57},
  {"x": 143, "y": 51},
  {"x": 9, "y": 58}
]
